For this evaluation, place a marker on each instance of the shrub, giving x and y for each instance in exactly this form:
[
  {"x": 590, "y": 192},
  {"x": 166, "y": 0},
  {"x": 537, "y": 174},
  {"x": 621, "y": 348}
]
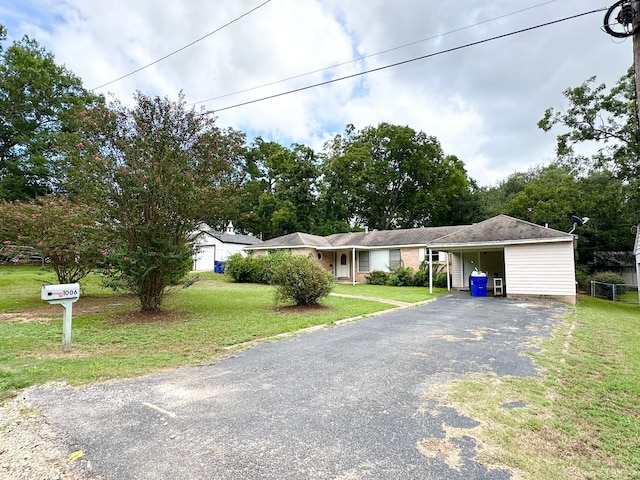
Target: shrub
[
  {"x": 440, "y": 280},
  {"x": 582, "y": 276},
  {"x": 421, "y": 278},
  {"x": 608, "y": 278},
  {"x": 377, "y": 277},
  {"x": 240, "y": 268},
  {"x": 264, "y": 266},
  {"x": 401, "y": 277},
  {"x": 254, "y": 269},
  {"x": 301, "y": 280}
]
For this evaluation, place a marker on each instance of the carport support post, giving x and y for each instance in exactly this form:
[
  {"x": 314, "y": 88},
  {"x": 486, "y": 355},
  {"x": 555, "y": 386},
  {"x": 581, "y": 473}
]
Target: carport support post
[
  {"x": 448, "y": 279},
  {"x": 353, "y": 265},
  {"x": 430, "y": 274}
]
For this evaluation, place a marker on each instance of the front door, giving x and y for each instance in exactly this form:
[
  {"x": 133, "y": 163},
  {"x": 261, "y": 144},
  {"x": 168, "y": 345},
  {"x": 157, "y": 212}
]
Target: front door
[
  {"x": 342, "y": 270},
  {"x": 469, "y": 262}
]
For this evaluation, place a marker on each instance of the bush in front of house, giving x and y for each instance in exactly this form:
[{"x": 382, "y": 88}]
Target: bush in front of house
[
  {"x": 401, "y": 277},
  {"x": 404, "y": 276},
  {"x": 254, "y": 269},
  {"x": 421, "y": 278},
  {"x": 240, "y": 268},
  {"x": 265, "y": 265},
  {"x": 301, "y": 280},
  {"x": 440, "y": 280},
  {"x": 377, "y": 277}
]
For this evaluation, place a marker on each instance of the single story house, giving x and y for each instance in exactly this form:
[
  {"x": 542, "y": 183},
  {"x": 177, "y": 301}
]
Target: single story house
[
  {"x": 530, "y": 259},
  {"x": 211, "y": 246}
]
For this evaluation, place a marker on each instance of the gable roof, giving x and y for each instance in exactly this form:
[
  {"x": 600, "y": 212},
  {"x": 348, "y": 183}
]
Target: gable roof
[
  {"x": 501, "y": 230},
  {"x": 225, "y": 237}
]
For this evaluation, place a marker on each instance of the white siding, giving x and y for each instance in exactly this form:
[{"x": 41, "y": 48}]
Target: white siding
[
  {"x": 456, "y": 271},
  {"x": 540, "y": 269},
  {"x": 214, "y": 250}
]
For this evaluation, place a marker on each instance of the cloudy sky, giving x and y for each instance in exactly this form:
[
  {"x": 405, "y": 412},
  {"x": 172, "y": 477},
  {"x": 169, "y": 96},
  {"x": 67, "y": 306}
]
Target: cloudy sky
[{"x": 481, "y": 102}]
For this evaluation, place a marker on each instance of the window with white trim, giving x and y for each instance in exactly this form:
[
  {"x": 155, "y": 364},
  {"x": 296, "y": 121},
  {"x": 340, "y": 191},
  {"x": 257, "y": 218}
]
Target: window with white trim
[
  {"x": 363, "y": 261},
  {"x": 394, "y": 259}
]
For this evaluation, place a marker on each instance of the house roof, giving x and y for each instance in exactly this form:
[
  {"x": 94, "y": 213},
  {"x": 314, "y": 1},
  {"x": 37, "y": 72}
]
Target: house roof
[
  {"x": 225, "y": 237},
  {"x": 501, "y": 229},
  {"x": 236, "y": 238},
  {"x": 497, "y": 230},
  {"x": 295, "y": 240},
  {"x": 385, "y": 238}
]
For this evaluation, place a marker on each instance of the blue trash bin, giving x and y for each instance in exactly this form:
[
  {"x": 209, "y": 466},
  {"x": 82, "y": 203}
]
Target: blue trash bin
[
  {"x": 218, "y": 267},
  {"x": 478, "y": 284}
]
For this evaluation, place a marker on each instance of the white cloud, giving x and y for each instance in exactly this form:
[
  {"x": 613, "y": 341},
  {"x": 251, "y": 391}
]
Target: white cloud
[{"x": 482, "y": 102}]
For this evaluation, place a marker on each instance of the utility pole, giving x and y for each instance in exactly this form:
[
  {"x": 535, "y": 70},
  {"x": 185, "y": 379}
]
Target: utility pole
[
  {"x": 622, "y": 20},
  {"x": 636, "y": 51}
]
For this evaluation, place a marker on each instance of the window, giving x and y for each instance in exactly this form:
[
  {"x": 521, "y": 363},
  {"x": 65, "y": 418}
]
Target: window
[
  {"x": 343, "y": 259},
  {"x": 363, "y": 261},
  {"x": 436, "y": 256},
  {"x": 394, "y": 259}
]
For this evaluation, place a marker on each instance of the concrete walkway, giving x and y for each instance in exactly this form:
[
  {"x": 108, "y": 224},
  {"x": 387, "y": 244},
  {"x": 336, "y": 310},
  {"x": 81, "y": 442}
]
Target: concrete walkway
[
  {"x": 349, "y": 402},
  {"x": 397, "y": 303}
]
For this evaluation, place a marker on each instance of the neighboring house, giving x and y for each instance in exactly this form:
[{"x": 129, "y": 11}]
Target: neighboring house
[
  {"x": 531, "y": 259},
  {"x": 622, "y": 263},
  {"x": 212, "y": 246}
]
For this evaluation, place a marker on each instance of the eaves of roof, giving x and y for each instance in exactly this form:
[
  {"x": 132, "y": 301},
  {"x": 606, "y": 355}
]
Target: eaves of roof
[{"x": 500, "y": 243}]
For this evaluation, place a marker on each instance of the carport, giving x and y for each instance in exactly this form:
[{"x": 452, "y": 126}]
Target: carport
[{"x": 532, "y": 260}]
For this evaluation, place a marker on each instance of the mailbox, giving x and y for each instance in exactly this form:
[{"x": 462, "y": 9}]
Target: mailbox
[{"x": 64, "y": 291}]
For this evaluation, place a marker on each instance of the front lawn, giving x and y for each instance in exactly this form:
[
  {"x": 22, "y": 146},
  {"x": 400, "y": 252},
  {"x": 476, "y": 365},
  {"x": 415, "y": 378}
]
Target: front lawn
[{"x": 111, "y": 339}]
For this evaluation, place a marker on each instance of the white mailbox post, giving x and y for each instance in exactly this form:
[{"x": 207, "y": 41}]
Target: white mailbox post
[{"x": 64, "y": 295}]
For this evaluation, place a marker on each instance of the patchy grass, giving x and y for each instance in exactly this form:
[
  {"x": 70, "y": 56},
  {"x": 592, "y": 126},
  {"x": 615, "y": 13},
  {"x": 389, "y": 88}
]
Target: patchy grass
[
  {"x": 112, "y": 339},
  {"x": 581, "y": 420}
]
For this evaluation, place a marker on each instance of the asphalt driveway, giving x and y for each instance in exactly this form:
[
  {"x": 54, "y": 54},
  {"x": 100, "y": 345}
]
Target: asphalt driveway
[{"x": 342, "y": 403}]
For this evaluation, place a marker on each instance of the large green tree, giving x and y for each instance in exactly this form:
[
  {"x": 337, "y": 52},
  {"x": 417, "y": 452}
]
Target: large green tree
[
  {"x": 391, "y": 176},
  {"x": 154, "y": 169},
  {"x": 608, "y": 119},
  {"x": 38, "y": 100},
  {"x": 279, "y": 196},
  {"x": 552, "y": 193}
]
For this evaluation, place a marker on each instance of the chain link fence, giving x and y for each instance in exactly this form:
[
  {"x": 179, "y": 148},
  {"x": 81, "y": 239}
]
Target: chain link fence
[{"x": 623, "y": 293}]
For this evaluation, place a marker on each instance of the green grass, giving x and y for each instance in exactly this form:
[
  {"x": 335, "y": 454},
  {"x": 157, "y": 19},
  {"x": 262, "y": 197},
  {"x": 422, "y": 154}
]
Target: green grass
[
  {"x": 402, "y": 294},
  {"x": 111, "y": 339},
  {"x": 582, "y": 418}
]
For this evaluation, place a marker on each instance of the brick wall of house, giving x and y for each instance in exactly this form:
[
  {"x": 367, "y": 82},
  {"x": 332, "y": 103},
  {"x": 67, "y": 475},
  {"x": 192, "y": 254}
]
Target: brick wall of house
[{"x": 411, "y": 258}]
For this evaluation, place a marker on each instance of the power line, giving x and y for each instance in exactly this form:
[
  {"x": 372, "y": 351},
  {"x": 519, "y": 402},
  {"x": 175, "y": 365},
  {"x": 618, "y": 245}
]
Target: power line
[
  {"x": 182, "y": 48},
  {"x": 415, "y": 59},
  {"x": 372, "y": 54}
]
